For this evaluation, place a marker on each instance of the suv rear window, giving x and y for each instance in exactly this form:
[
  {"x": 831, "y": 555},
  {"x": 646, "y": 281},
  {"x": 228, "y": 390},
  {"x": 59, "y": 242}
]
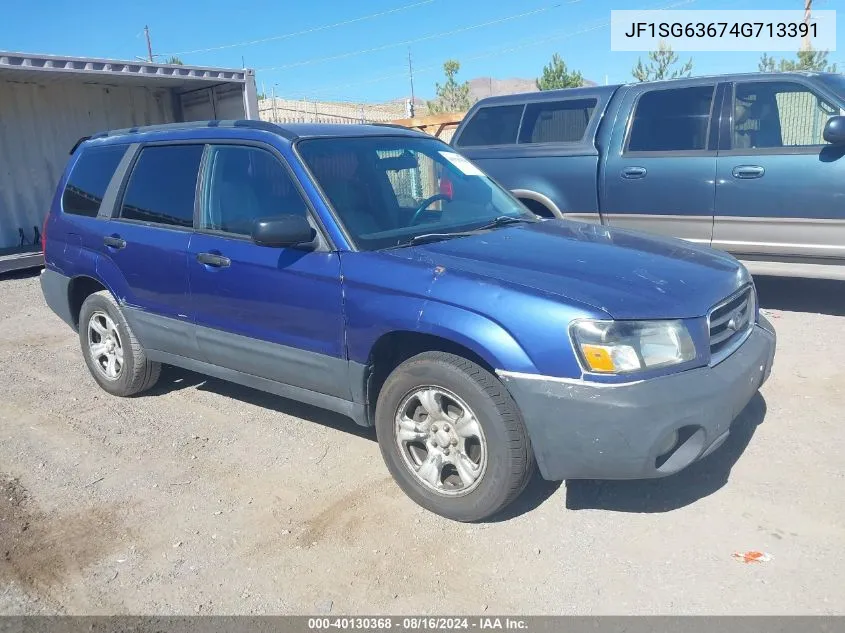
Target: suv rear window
[
  {"x": 557, "y": 121},
  {"x": 492, "y": 126},
  {"x": 89, "y": 180},
  {"x": 671, "y": 120},
  {"x": 163, "y": 185}
]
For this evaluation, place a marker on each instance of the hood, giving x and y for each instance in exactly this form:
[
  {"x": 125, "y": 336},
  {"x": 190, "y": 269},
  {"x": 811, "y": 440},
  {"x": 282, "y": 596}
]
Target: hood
[{"x": 627, "y": 274}]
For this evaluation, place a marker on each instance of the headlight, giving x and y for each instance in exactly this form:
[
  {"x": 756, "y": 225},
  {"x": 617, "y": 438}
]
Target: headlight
[{"x": 619, "y": 347}]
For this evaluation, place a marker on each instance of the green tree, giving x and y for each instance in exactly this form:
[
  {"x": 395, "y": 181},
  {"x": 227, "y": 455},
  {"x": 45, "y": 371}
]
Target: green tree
[
  {"x": 174, "y": 60},
  {"x": 556, "y": 76},
  {"x": 661, "y": 66},
  {"x": 451, "y": 96},
  {"x": 810, "y": 59}
]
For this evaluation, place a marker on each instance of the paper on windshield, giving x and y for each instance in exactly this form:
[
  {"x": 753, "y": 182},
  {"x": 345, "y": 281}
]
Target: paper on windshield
[{"x": 465, "y": 167}]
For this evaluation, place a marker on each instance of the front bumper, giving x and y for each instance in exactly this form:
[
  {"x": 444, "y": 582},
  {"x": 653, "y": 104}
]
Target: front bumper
[{"x": 583, "y": 431}]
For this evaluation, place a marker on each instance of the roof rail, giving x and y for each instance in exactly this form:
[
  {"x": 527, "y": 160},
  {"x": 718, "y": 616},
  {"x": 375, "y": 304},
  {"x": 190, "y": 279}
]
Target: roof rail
[
  {"x": 77, "y": 144},
  {"x": 193, "y": 125}
]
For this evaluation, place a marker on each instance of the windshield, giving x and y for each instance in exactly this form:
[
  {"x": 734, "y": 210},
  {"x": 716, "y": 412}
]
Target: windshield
[{"x": 389, "y": 190}]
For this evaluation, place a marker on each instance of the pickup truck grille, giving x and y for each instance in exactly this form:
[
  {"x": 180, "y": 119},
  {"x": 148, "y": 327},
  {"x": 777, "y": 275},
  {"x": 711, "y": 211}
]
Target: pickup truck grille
[{"x": 730, "y": 322}]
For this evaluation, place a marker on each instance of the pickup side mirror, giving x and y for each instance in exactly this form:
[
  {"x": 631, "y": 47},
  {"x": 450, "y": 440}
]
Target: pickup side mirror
[
  {"x": 283, "y": 230},
  {"x": 834, "y": 130}
]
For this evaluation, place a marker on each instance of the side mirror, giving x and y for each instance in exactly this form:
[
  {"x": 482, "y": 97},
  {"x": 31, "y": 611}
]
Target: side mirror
[
  {"x": 284, "y": 230},
  {"x": 834, "y": 130}
]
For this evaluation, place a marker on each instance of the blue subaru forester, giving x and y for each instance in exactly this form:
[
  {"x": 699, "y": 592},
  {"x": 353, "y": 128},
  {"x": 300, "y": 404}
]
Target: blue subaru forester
[{"x": 373, "y": 271}]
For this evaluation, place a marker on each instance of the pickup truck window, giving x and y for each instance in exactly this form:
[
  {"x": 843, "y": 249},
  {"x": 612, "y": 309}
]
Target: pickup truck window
[
  {"x": 495, "y": 125},
  {"x": 243, "y": 184},
  {"x": 388, "y": 190},
  {"x": 89, "y": 180},
  {"x": 671, "y": 120},
  {"x": 772, "y": 114},
  {"x": 162, "y": 187},
  {"x": 834, "y": 83},
  {"x": 556, "y": 121}
]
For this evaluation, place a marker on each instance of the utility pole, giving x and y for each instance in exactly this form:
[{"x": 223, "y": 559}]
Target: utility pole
[
  {"x": 808, "y": 11},
  {"x": 275, "y": 116},
  {"x": 149, "y": 43},
  {"x": 411, "y": 77}
]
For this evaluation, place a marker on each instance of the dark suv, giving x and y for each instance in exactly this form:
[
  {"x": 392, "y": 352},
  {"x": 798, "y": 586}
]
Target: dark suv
[{"x": 373, "y": 271}]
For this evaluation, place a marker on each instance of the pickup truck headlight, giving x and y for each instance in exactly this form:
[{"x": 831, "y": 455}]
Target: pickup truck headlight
[{"x": 620, "y": 347}]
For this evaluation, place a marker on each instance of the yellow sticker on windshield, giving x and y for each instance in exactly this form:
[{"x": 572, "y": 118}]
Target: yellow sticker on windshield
[{"x": 463, "y": 165}]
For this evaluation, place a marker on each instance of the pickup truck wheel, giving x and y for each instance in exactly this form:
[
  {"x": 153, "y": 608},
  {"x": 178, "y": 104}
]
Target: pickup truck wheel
[
  {"x": 452, "y": 436},
  {"x": 114, "y": 356}
]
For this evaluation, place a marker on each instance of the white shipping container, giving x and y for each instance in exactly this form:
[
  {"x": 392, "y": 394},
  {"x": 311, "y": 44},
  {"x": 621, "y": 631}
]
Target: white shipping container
[{"x": 48, "y": 103}]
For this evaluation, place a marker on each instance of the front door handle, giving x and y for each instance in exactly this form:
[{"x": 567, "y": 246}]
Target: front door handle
[
  {"x": 213, "y": 259},
  {"x": 114, "y": 241},
  {"x": 632, "y": 173},
  {"x": 744, "y": 172}
]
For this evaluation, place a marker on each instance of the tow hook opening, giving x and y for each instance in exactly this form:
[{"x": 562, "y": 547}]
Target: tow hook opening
[{"x": 679, "y": 448}]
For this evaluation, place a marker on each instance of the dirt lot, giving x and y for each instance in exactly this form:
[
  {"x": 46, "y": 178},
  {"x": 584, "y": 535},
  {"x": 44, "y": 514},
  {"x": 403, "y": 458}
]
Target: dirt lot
[{"x": 204, "y": 497}]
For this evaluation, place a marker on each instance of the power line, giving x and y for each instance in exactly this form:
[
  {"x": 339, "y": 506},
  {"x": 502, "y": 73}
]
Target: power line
[
  {"x": 315, "y": 29},
  {"x": 416, "y": 40},
  {"x": 498, "y": 51}
]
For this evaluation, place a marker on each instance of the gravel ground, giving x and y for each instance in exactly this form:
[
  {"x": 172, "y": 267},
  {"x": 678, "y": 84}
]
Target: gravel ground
[{"x": 205, "y": 497}]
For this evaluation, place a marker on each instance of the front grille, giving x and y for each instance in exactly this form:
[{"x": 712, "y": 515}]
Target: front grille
[{"x": 730, "y": 322}]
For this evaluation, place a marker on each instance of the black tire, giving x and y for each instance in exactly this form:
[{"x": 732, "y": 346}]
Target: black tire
[
  {"x": 510, "y": 459},
  {"x": 137, "y": 373}
]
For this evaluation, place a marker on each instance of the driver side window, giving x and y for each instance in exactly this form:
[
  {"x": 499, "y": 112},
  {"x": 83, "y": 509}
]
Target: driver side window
[
  {"x": 774, "y": 114},
  {"x": 243, "y": 184}
]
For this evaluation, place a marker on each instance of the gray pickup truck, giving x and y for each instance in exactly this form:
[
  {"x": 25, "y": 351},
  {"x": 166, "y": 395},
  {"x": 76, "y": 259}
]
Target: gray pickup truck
[{"x": 752, "y": 164}]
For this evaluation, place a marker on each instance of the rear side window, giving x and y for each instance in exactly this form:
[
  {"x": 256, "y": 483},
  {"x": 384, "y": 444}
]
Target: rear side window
[
  {"x": 556, "y": 122},
  {"x": 163, "y": 185},
  {"x": 671, "y": 120},
  {"x": 89, "y": 180},
  {"x": 492, "y": 126}
]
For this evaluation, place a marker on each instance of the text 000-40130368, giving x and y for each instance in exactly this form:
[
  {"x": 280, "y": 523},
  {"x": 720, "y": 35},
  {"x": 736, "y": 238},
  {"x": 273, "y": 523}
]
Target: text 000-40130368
[{"x": 712, "y": 30}]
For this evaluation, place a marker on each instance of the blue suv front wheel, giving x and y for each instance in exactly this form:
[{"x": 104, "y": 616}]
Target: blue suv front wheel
[{"x": 452, "y": 436}]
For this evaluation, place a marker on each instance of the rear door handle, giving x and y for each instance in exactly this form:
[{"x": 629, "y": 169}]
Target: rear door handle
[
  {"x": 745, "y": 172},
  {"x": 213, "y": 259},
  {"x": 114, "y": 241},
  {"x": 632, "y": 173}
]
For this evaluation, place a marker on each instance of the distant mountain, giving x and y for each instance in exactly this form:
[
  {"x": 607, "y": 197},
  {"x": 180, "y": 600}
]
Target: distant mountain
[{"x": 482, "y": 87}]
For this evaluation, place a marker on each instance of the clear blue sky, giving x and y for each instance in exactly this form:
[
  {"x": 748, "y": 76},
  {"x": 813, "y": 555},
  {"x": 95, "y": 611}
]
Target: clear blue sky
[{"x": 518, "y": 47}]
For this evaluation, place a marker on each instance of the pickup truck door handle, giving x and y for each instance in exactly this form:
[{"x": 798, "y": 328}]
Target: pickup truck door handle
[
  {"x": 213, "y": 259},
  {"x": 745, "y": 172},
  {"x": 114, "y": 241},
  {"x": 632, "y": 173}
]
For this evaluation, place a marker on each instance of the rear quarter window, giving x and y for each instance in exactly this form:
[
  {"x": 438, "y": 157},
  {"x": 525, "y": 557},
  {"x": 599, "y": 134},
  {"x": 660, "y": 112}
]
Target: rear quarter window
[
  {"x": 89, "y": 179},
  {"x": 496, "y": 125}
]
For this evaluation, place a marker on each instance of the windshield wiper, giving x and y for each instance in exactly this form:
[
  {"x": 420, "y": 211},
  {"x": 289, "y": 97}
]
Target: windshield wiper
[
  {"x": 427, "y": 238},
  {"x": 502, "y": 220}
]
